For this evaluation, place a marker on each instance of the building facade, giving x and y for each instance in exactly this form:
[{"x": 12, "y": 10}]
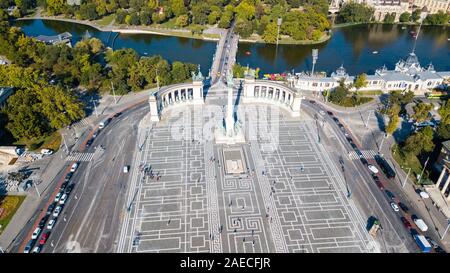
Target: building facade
[
  {"x": 432, "y": 6},
  {"x": 407, "y": 75}
]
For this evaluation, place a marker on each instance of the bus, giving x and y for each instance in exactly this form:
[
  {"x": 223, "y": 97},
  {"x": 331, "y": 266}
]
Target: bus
[{"x": 385, "y": 167}]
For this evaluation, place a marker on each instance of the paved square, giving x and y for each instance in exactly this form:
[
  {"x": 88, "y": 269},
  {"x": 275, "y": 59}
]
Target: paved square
[{"x": 291, "y": 199}]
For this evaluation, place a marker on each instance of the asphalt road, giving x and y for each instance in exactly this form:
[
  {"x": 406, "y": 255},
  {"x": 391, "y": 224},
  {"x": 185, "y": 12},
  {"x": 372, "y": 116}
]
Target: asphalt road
[
  {"x": 369, "y": 198},
  {"x": 93, "y": 208}
]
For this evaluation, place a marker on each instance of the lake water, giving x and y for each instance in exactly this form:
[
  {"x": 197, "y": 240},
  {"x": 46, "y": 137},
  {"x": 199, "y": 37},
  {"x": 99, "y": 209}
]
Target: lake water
[{"x": 351, "y": 46}]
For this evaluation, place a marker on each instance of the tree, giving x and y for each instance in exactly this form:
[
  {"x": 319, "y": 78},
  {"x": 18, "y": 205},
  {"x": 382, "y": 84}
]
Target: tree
[
  {"x": 245, "y": 11},
  {"x": 339, "y": 93},
  {"x": 213, "y": 17},
  {"x": 179, "y": 72},
  {"x": 121, "y": 14},
  {"x": 244, "y": 28},
  {"x": 270, "y": 33},
  {"x": 443, "y": 132},
  {"x": 440, "y": 18},
  {"x": 415, "y": 15},
  {"x": 392, "y": 125},
  {"x": 352, "y": 12},
  {"x": 444, "y": 112},
  {"x": 405, "y": 17},
  {"x": 200, "y": 13},
  {"x": 145, "y": 16},
  {"x": 178, "y": 7},
  {"x": 360, "y": 81},
  {"x": 182, "y": 20},
  {"x": 421, "y": 111},
  {"x": 55, "y": 7},
  {"x": 389, "y": 18},
  {"x": 153, "y": 4},
  {"x": 225, "y": 20},
  {"x": 419, "y": 142},
  {"x": 87, "y": 12}
]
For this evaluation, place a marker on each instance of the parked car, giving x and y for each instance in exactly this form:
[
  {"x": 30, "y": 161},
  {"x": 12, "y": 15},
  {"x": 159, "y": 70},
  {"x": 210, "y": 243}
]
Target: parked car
[
  {"x": 389, "y": 194},
  {"x": 89, "y": 142},
  {"x": 311, "y": 101},
  {"x": 46, "y": 151},
  {"x": 36, "y": 233},
  {"x": 421, "y": 224},
  {"x": 364, "y": 161},
  {"x": 51, "y": 208},
  {"x": 74, "y": 167},
  {"x": 432, "y": 242},
  {"x": 117, "y": 114},
  {"x": 58, "y": 196},
  {"x": 413, "y": 232},
  {"x": 322, "y": 112},
  {"x": 394, "y": 207},
  {"x": 44, "y": 238},
  {"x": 57, "y": 211},
  {"x": 403, "y": 207},
  {"x": 69, "y": 189},
  {"x": 29, "y": 246},
  {"x": 330, "y": 113},
  {"x": 36, "y": 249},
  {"x": 64, "y": 185},
  {"x": 125, "y": 169},
  {"x": 379, "y": 184},
  {"x": 373, "y": 169},
  {"x": 51, "y": 223},
  {"x": 63, "y": 199},
  {"x": 336, "y": 119},
  {"x": 405, "y": 222},
  {"x": 43, "y": 221},
  {"x": 439, "y": 250},
  {"x": 68, "y": 177}
]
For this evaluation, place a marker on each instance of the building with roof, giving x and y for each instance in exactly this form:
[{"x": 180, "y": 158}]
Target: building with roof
[
  {"x": 408, "y": 74},
  {"x": 432, "y": 6},
  {"x": 63, "y": 38}
]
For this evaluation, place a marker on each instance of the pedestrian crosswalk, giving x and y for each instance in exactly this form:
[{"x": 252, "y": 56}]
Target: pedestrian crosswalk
[
  {"x": 80, "y": 157},
  {"x": 80, "y": 124},
  {"x": 365, "y": 153}
]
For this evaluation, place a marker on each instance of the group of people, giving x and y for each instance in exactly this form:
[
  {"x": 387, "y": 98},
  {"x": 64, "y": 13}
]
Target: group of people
[{"x": 147, "y": 170}]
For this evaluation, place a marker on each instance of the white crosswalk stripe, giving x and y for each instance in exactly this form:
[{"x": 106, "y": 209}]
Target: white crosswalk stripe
[
  {"x": 366, "y": 154},
  {"x": 80, "y": 157},
  {"x": 81, "y": 123}
]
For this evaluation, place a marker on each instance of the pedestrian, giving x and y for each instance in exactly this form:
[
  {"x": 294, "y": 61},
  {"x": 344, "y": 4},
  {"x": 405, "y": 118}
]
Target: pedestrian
[
  {"x": 243, "y": 239},
  {"x": 243, "y": 208}
]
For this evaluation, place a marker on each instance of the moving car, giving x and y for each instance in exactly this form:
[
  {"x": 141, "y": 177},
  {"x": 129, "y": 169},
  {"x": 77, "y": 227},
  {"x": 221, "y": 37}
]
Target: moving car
[
  {"x": 36, "y": 233},
  {"x": 57, "y": 211},
  {"x": 125, "y": 169},
  {"x": 89, "y": 142},
  {"x": 373, "y": 169},
  {"x": 51, "y": 224},
  {"x": 74, "y": 167},
  {"x": 394, "y": 207},
  {"x": 46, "y": 152},
  {"x": 405, "y": 222}
]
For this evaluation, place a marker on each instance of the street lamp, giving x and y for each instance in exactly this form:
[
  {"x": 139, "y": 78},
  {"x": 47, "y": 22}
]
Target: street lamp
[
  {"x": 424, "y": 166},
  {"x": 406, "y": 178},
  {"x": 446, "y": 229},
  {"x": 279, "y": 21}
]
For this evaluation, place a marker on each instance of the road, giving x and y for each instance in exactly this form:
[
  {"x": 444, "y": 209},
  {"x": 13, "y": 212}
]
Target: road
[
  {"x": 95, "y": 204},
  {"x": 369, "y": 198},
  {"x": 225, "y": 56}
]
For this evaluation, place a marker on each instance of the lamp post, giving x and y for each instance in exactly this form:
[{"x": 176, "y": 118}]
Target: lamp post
[
  {"x": 421, "y": 174},
  {"x": 315, "y": 55},
  {"x": 406, "y": 178},
  {"x": 279, "y": 21}
]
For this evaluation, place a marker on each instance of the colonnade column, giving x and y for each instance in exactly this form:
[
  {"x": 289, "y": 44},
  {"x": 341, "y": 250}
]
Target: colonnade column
[
  {"x": 154, "y": 116},
  {"x": 296, "y": 106}
]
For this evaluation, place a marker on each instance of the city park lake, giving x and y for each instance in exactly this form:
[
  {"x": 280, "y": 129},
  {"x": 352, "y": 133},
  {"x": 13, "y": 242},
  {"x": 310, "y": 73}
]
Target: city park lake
[{"x": 359, "y": 48}]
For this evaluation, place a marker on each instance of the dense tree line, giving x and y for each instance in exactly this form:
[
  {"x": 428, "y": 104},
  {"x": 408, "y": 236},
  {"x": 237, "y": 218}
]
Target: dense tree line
[
  {"x": 352, "y": 12},
  {"x": 47, "y": 79}
]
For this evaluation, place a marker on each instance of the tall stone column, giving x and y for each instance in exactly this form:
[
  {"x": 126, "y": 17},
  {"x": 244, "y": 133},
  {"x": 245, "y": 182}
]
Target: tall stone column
[
  {"x": 229, "y": 120},
  {"x": 154, "y": 116},
  {"x": 447, "y": 182},
  {"x": 296, "y": 106}
]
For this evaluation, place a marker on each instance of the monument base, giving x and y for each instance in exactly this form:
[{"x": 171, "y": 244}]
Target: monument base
[{"x": 221, "y": 136}]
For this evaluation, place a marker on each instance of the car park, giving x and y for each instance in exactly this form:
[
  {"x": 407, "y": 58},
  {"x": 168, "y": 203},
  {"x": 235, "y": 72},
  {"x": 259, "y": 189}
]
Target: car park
[
  {"x": 57, "y": 211},
  {"x": 63, "y": 199},
  {"x": 394, "y": 207},
  {"x": 51, "y": 223},
  {"x": 74, "y": 167},
  {"x": 58, "y": 196},
  {"x": 373, "y": 169},
  {"x": 36, "y": 233},
  {"x": 403, "y": 207},
  {"x": 405, "y": 222},
  {"x": 389, "y": 194}
]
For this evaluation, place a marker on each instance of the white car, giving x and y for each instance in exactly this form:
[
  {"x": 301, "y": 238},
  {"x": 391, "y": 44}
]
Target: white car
[
  {"x": 74, "y": 167},
  {"x": 46, "y": 152},
  {"x": 322, "y": 112},
  {"x": 394, "y": 207},
  {"x": 57, "y": 211},
  {"x": 125, "y": 169},
  {"x": 63, "y": 199},
  {"x": 36, "y": 249},
  {"x": 373, "y": 169},
  {"x": 51, "y": 224},
  {"x": 36, "y": 233},
  {"x": 58, "y": 197}
]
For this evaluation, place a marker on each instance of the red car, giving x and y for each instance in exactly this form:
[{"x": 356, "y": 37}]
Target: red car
[
  {"x": 44, "y": 238},
  {"x": 405, "y": 222}
]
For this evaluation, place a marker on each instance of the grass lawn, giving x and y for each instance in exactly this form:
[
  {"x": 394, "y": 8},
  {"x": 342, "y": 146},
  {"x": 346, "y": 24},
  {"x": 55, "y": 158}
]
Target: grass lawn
[
  {"x": 9, "y": 204},
  {"x": 106, "y": 20},
  {"x": 349, "y": 102},
  {"x": 407, "y": 162},
  {"x": 370, "y": 93},
  {"x": 52, "y": 141}
]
